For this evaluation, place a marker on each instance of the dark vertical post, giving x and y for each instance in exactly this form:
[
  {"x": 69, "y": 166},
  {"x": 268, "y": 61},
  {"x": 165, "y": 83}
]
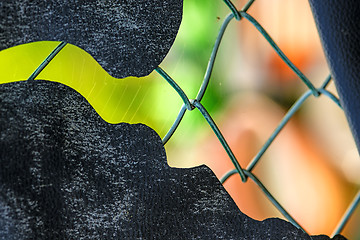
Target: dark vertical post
[{"x": 338, "y": 23}]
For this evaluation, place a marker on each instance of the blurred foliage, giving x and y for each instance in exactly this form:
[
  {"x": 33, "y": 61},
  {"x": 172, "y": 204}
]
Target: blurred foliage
[
  {"x": 187, "y": 61},
  {"x": 149, "y": 100}
]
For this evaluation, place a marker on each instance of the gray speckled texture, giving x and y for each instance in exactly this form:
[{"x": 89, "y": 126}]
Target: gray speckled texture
[
  {"x": 67, "y": 174},
  {"x": 127, "y": 37}
]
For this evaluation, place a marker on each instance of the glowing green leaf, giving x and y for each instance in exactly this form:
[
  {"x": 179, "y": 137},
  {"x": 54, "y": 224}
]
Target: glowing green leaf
[{"x": 149, "y": 100}]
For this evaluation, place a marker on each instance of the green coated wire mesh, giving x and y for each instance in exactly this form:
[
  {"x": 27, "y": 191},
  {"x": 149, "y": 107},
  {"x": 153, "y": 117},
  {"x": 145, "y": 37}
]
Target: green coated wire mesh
[
  {"x": 189, "y": 104},
  {"x": 247, "y": 172}
]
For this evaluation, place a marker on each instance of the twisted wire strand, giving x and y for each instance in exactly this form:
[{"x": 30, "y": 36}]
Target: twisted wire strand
[{"x": 196, "y": 103}]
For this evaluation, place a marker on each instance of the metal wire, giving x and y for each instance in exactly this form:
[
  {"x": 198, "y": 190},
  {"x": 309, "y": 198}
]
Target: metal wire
[
  {"x": 196, "y": 104},
  {"x": 347, "y": 214},
  {"x": 47, "y": 60}
]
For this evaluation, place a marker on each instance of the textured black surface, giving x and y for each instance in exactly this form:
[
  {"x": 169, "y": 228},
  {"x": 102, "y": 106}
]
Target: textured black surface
[
  {"x": 338, "y": 23},
  {"x": 128, "y": 37},
  {"x": 67, "y": 174}
]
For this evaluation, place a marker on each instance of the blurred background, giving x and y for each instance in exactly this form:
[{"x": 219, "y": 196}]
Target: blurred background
[{"x": 312, "y": 167}]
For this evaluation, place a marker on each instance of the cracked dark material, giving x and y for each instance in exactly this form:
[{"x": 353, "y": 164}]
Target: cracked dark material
[
  {"x": 67, "y": 174},
  {"x": 127, "y": 38}
]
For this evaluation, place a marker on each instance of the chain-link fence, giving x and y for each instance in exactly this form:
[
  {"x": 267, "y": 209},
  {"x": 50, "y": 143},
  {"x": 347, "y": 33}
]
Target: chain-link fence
[{"x": 196, "y": 103}]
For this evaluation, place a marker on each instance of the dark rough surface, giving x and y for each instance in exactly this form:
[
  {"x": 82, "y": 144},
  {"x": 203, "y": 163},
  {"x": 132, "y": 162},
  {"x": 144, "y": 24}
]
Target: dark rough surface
[
  {"x": 67, "y": 174},
  {"x": 338, "y": 23},
  {"x": 127, "y": 38}
]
